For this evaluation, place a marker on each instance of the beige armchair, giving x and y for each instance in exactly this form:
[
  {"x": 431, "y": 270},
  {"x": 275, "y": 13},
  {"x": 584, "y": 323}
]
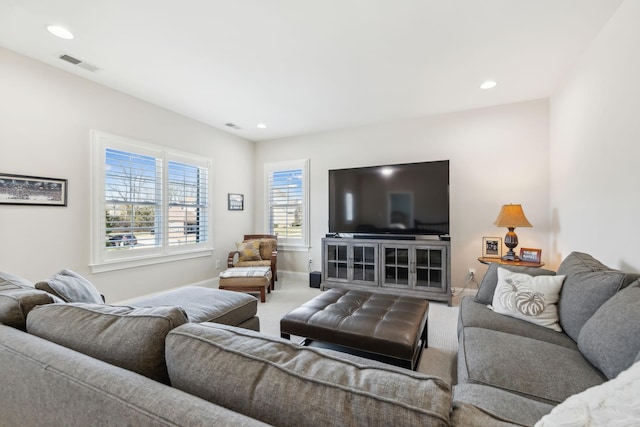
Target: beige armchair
[{"x": 256, "y": 250}]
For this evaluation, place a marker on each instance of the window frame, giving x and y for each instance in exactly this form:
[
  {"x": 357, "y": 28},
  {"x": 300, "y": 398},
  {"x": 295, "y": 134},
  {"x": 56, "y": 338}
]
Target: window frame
[
  {"x": 103, "y": 260},
  {"x": 291, "y": 244}
]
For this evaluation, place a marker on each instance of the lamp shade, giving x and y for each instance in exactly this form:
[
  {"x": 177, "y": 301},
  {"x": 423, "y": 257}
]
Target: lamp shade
[{"x": 512, "y": 216}]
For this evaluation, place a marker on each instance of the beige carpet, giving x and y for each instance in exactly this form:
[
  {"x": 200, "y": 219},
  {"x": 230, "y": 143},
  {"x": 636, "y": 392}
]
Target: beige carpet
[{"x": 438, "y": 359}]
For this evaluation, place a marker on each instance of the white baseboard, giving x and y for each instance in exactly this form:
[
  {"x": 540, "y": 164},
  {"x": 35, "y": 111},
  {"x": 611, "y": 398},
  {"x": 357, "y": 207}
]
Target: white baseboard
[
  {"x": 209, "y": 283},
  {"x": 470, "y": 290},
  {"x": 294, "y": 275}
]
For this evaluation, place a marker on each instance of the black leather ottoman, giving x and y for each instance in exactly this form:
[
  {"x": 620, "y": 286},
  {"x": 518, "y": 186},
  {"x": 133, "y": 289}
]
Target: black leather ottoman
[{"x": 391, "y": 326}]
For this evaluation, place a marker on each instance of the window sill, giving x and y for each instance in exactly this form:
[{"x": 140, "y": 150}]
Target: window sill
[
  {"x": 293, "y": 248},
  {"x": 122, "y": 264}
]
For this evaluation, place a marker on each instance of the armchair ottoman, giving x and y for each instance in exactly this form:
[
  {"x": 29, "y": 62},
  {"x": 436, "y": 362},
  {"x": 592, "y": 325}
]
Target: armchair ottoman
[{"x": 247, "y": 279}]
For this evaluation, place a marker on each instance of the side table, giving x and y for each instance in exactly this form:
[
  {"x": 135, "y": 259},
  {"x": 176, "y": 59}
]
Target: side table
[{"x": 488, "y": 261}]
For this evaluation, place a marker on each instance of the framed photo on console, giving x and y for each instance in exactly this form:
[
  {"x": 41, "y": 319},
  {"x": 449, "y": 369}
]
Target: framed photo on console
[
  {"x": 530, "y": 255},
  {"x": 492, "y": 247}
]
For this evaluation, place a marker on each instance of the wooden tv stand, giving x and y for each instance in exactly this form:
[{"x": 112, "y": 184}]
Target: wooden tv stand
[{"x": 419, "y": 268}]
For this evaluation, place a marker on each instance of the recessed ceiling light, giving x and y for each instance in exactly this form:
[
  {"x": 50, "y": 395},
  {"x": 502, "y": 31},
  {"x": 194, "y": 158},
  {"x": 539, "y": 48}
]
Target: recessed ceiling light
[
  {"x": 262, "y": 126},
  {"x": 59, "y": 31},
  {"x": 488, "y": 84}
]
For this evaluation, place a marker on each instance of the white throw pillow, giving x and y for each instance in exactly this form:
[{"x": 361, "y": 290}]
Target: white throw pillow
[{"x": 534, "y": 299}]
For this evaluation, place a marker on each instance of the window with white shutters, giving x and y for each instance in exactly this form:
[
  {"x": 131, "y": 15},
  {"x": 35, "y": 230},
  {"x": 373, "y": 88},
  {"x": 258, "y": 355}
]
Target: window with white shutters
[
  {"x": 188, "y": 202},
  {"x": 287, "y": 202},
  {"x": 133, "y": 200},
  {"x": 149, "y": 203}
]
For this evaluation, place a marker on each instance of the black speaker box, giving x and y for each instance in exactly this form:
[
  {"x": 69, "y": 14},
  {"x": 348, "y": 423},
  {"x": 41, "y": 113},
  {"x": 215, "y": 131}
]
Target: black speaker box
[{"x": 314, "y": 279}]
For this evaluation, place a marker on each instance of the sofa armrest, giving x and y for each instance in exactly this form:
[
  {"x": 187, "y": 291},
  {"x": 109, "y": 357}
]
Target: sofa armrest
[{"x": 231, "y": 258}]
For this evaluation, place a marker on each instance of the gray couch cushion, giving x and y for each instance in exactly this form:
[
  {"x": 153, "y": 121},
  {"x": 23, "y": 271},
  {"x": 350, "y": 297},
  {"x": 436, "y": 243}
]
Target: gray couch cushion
[
  {"x": 71, "y": 287},
  {"x": 588, "y": 285},
  {"x": 629, "y": 278},
  {"x": 473, "y": 314},
  {"x": 206, "y": 305},
  {"x": 479, "y": 405},
  {"x": 490, "y": 280},
  {"x": 283, "y": 384},
  {"x": 132, "y": 338},
  {"x": 534, "y": 369},
  {"x": 45, "y": 384},
  {"x": 611, "y": 337}
]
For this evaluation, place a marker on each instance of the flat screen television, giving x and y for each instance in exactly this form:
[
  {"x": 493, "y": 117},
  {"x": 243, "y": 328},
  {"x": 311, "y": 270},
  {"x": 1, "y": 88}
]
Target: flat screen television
[{"x": 403, "y": 199}]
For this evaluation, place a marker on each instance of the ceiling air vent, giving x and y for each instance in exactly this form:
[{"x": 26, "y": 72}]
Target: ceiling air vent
[
  {"x": 75, "y": 61},
  {"x": 232, "y": 126}
]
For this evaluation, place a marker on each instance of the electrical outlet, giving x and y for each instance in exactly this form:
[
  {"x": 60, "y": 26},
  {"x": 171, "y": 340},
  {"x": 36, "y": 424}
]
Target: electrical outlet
[
  {"x": 472, "y": 271},
  {"x": 217, "y": 263}
]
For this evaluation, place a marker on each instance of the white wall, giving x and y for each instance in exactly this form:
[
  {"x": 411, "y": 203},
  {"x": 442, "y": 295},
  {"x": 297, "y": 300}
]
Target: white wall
[
  {"x": 45, "y": 118},
  {"x": 573, "y": 166},
  {"x": 595, "y": 140},
  {"x": 498, "y": 155}
]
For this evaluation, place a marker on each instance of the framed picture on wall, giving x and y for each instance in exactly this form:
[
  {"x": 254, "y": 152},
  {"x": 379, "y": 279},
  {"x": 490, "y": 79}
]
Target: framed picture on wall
[
  {"x": 530, "y": 255},
  {"x": 236, "y": 202},
  {"x": 492, "y": 247},
  {"x": 32, "y": 190}
]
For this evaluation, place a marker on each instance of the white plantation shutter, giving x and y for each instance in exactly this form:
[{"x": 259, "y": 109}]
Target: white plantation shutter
[
  {"x": 188, "y": 203},
  {"x": 287, "y": 202},
  {"x": 149, "y": 202},
  {"x": 133, "y": 199}
]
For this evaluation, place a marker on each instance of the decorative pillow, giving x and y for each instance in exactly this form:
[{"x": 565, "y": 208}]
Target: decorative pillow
[
  {"x": 249, "y": 251},
  {"x": 610, "y": 338},
  {"x": 16, "y": 302},
  {"x": 267, "y": 246},
  {"x": 613, "y": 403},
  {"x": 71, "y": 287},
  {"x": 490, "y": 280},
  {"x": 588, "y": 285},
  {"x": 10, "y": 280},
  {"x": 132, "y": 338},
  {"x": 533, "y": 299}
]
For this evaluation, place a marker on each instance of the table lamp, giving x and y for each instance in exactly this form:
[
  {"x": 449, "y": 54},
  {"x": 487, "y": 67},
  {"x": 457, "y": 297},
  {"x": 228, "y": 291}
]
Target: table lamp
[{"x": 511, "y": 216}]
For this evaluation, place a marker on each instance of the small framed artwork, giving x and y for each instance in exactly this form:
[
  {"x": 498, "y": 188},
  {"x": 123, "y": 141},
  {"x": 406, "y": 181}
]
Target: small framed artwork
[
  {"x": 530, "y": 255},
  {"x": 236, "y": 202},
  {"x": 492, "y": 247},
  {"x": 32, "y": 190}
]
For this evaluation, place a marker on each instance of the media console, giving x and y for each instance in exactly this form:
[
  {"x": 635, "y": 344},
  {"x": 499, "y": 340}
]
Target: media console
[{"x": 417, "y": 267}]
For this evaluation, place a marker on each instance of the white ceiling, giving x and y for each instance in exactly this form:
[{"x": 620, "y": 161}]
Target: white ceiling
[{"x": 304, "y": 66}]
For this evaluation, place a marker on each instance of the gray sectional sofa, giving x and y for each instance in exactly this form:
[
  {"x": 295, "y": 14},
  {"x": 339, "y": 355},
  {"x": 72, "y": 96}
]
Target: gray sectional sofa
[
  {"x": 513, "y": 371},
  {"x": 88, "y": 363}
]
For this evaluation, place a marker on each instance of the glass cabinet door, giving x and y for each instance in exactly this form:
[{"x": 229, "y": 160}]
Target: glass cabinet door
[
  {"x": 429, "y": 268},
  {"x": 337, "y": 261},
  {"x": 395, "y": 265},
  {"x": 364, "y": 263}
]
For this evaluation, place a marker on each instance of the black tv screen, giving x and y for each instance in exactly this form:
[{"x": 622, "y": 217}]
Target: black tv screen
[{"x": 409, "y": 199}]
